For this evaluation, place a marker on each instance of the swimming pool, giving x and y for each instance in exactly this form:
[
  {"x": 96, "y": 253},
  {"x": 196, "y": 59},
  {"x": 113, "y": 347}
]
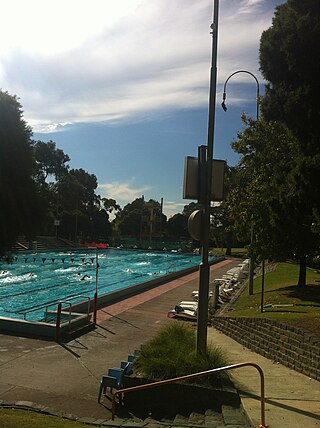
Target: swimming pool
[{"x": 29, "y": 281}]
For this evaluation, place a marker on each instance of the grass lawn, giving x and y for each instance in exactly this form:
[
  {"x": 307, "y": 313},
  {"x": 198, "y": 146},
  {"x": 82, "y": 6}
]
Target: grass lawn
[
  {"x": 11, "y": 418},
  {"x": 299, "y": 306}
]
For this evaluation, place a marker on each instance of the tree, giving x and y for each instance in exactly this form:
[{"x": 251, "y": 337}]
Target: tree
[
  {"x": 266, "y": 196},
  {"x": 21, "y": 209},
  {"x": 50, "y": 160},
  {"x": 288, "y": 60},
  {"x": 78, "y": 203},
  {"x": 188, "y": 209},
  {"x": 110, "y": 205},
  {"x": 141, "y": 219},
  {"x": 177, "y": 226}
]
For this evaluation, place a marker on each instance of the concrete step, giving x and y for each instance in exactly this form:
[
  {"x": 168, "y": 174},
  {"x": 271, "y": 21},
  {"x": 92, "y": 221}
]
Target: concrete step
[
  {"x": 233, "y": 416},
  {"x": 229, "y": 417}
]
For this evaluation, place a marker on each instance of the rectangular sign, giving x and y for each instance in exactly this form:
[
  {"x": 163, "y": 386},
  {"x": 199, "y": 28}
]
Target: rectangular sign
[{"x": 191, "y": 179}]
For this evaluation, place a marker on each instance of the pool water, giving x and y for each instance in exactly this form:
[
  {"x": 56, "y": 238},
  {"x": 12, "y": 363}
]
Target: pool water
[{"x": 38, "y": 279}]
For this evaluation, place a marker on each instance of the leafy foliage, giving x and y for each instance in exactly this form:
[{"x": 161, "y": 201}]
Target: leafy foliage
[
  {"x": 172, "y": 353},
  {"x": 177, "y": 226},
  {"x": 49, "y": 160},
  {"x": 268, "y": 195},
  {"x": 20, "y": 200},
  {"x": 288, "y": 60}
]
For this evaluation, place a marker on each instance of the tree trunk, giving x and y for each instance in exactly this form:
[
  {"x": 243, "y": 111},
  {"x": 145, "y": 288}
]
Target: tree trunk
[
  {"x": 228, "y": 243},
  {"x": 303, "y": 271}
]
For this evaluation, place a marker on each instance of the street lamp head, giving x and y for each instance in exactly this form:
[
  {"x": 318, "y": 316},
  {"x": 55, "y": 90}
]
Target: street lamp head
[{"x": 223, "y": 104}]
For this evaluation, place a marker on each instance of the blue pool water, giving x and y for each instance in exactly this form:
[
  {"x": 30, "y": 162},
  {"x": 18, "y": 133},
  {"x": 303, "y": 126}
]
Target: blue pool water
[{"x": 33, "y": 280}]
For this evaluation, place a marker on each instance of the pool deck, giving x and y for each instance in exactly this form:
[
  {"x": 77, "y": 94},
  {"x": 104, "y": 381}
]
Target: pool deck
[{"x": 64, "y": 378}]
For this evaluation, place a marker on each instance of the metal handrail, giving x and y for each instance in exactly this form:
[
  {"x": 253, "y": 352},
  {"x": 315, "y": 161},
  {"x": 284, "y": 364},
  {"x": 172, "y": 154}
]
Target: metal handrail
[
  {"x": 194, "y": 375},
  {"x": 37, "y": 308},
  {"x": 67, "y": 301},
  {"x": 52, "y": 303}
]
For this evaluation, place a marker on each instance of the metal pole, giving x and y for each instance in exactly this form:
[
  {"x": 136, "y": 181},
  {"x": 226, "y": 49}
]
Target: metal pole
[
  {"x": 224, "y": 96},
  {"x": 204, "y": 268},
  {"x": 262, "y": 285},
  {"x": 251, "y": 265},
  {"x": 161, "y": 211},
  {"x": 141, "y": 217},
  {"x": 95, "y": 300},
  {"x": 58, "y": 319}
]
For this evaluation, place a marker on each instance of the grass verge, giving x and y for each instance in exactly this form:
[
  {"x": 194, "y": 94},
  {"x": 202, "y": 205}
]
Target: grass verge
[
  {"x": 283, "y": 300},
  {"x": 13, "y": 418}
]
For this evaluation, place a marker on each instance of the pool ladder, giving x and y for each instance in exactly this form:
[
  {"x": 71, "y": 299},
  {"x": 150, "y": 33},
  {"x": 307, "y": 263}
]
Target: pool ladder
[{"x": 57, "y": 313}]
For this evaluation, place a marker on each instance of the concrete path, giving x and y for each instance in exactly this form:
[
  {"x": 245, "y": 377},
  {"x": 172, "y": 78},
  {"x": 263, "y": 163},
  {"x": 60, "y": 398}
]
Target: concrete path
[
  {"x": 292, "y": 399},
  {"x": 64, "y": 378}
]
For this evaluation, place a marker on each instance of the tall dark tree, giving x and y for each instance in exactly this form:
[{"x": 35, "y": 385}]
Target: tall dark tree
[
  {"x": 266, "y": 195},
  {"x": 177, "y": 226},
  {"x": 110, "y": 205},
  {"x": 289, "y": 60},
  {"x": 49, "y": 160},
  {"x": 141, "y": 219},
  {"x": 78, "y": 203},
  {"x": 21, "y": 211}
]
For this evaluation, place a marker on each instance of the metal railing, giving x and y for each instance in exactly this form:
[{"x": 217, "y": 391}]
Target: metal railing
[
  {"x": 37, "y": 308},
  {"x": 59, "y": 310},
  {"x": 46, "y": 306},
  {"x": 194, "y": 375}
]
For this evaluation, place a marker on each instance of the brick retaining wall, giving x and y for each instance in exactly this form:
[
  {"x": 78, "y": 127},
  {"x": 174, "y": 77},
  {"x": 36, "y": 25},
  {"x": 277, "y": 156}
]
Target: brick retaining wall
[{"x": 288, "y": 345}]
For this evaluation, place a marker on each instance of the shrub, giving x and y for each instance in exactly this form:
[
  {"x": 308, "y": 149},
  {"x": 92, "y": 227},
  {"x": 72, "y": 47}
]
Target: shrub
[{"x": 172, "y": 353}]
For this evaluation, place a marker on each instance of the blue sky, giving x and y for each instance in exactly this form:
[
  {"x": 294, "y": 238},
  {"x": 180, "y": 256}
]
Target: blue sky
[{"x": 122, "y": 86}]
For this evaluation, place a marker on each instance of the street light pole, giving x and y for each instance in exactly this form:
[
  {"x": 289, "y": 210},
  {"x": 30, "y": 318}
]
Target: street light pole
[
  {"x": 204, "y": 267},
  {"x": 223, "y": 105}
]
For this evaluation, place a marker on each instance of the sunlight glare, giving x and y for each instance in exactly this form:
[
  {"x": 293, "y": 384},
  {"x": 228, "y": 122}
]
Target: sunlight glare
[{"x": 38, "y": 26}]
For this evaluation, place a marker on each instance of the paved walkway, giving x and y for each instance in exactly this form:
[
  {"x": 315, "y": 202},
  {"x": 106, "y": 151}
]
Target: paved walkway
[{"x": 65, "y": 377}]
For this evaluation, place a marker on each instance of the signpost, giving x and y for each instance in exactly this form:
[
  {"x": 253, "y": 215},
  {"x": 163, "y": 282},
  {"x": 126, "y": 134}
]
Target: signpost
[{"x": 204, "y": 187}]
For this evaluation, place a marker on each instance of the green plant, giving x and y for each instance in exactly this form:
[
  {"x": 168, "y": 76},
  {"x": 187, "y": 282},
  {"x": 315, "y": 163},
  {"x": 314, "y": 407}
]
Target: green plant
[{"x": 172, "y": 353}]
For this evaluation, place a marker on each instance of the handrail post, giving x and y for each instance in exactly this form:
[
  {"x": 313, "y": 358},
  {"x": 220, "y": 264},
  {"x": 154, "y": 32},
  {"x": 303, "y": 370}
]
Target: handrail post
[
  {"x": 95, "y": 307},
  {"x": 58, "y": 321},
  {"x": 69, "y": 315}
]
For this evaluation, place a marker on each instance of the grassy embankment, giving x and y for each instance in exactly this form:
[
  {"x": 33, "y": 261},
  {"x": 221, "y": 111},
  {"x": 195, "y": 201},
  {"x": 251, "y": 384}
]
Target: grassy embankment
[{"x": 299, "y": 306}]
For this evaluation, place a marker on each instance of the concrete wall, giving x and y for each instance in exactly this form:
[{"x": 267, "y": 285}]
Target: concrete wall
[{"x": 293, "y": 347}]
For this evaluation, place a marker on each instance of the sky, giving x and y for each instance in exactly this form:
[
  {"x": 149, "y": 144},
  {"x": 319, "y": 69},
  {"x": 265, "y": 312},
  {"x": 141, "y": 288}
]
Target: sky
[{"x": 122, "y": 86}]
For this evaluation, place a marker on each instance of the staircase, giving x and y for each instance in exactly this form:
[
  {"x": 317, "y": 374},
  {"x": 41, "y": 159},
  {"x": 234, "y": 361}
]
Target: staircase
[
  {"x": 43, "y": 243},
  {"x": 231, "y": 417}
]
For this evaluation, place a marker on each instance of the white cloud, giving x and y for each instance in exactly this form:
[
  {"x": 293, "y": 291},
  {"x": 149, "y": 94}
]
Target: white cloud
[
  {"x": 172, "y": 208},
  {"x": 123, "y": 193},
  {"x": 81, "y": 61},
  {"x": 52, "y": 27}
]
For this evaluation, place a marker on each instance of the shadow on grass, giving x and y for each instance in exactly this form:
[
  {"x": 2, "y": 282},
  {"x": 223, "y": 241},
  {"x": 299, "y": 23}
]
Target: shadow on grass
[
  {"x": 309, "y": 293},
  {"x": 282, "y": 310}
]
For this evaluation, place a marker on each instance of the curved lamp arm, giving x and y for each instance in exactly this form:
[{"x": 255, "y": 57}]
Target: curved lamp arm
[{"x": 224, "y": 96}]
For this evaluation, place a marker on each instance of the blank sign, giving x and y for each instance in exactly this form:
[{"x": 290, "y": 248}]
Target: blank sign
[{"x": 191, "y": 179}]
